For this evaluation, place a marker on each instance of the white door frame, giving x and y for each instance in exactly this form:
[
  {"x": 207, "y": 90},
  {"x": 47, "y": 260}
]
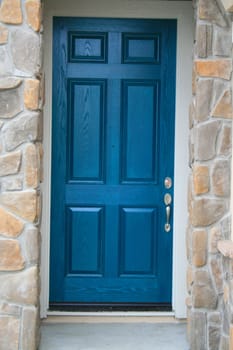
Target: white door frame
[{"x": 182, "y": 11}]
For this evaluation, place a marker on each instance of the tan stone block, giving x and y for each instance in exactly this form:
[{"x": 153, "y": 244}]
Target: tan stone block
[
  {"x": 25, "y": 128},
  {"x": 224, "y": 342},
  {"x": 3, "y": 34},
  {"x": 203, "y": 99},
  {"x": 226, "y": 226},
  {"x": 221, "y": 178},
  {"x": 23, "y": 203},
  {"x": 31, "y": 162},
  {"x": 201, "y": 179},
  {"x": 10, "y": 103},
  {"x": 190, "y": 193},
  {"x": 1, "y": 147},
  {"x": 10, "y": 163},
  {"x": 30, "y": 325},
  {"x": 188, "y": 243},
  {"x": 231, "y": 336},
  {"x": 9, "y": 332},
  {"x": 39, "y": 205},
  {"x": 219, "y": 87},
  {"x": 215, "y": 236},
  {"x": 191, "y": 149},
  {"x": 223, "y": 108},
  {"x": 228, "y": 5},
  {"x": 10, "y": 255},
  {"x": 205, "y": 139},
  {"x": 198, "y": 330},
  {"x": 225, "y": 142},
  {"x": 226, "y": 293},
  {"x": 214, "y": 334},
  {"x": 9, "y": 309},
  {"x": 31, "y": 244},
  {"x": 21, "y": 287},
  {"x": 199, "y": 243},
  {"x": 222, "y": 43},
  {"x": 194, "y": 80},
  {"x": 191, "y": 115},
  {"x": 209, "y": 10},
  {"x": 220, "y": 68},
  {"x": 217, "y": 272},
  {"x": 188, "y": 302},
  {"x": 204, "y": 40},
  {"x": 188, "y": 329},
  {"x": 226, "y": 248},
  {"x": 204, "y": 294},
  {"x": 7, "y": 83},
  {"x": 207, "y": 211},
  {"x": 10, "y": 12},
  {"x": 215, "y": 318},
  {"x": 10, "y": 226},
  {"x": 12, "y": 184},
  {"x": 189, "y": 278},
  {"x": 31, "y": 94},
  {"x": 42, "y": 90},
  {"x": 33, "y": 11},
  {"x": 41, "y": 155}
]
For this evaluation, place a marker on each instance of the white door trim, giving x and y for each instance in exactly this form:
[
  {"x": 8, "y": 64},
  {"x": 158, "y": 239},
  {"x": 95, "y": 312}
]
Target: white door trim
[{"x": 182, "y": 11}]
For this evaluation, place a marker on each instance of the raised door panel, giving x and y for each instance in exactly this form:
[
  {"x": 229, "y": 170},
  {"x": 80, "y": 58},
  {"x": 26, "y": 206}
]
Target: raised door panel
[
  {"x": 87, "y": 47},
  {"x": 86, "y": 142},
  {"x": 141, "y": 48},
  {"x": 140, "y": 105},
  {"x": 138, "y": 242},
  {"x": 85, "y": 241}
]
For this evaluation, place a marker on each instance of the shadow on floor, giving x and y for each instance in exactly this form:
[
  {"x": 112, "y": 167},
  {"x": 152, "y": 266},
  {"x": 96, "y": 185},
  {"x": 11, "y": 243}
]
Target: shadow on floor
[{"x": 114, "y": 336}]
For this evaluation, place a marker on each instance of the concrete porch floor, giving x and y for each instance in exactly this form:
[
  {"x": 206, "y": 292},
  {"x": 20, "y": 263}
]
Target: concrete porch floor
[{"x": 134, "y": 333}]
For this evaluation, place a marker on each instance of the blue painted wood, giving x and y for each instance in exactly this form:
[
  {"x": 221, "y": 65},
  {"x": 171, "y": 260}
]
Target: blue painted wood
[
  {"x": 138, "y": 225},
  {"x": 113, "y": 145},
  {"x": 141, "y": 48},
  {"x": 87, "y": 47},
  {"x": 85, "y": 229},
  {"x": 139, "y": 122},
  {"x": 86, "y": 124}
]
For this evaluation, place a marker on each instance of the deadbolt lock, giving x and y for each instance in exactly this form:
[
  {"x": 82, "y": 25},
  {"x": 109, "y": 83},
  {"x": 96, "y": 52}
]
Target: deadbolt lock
[{"x": 168, "y": 183}]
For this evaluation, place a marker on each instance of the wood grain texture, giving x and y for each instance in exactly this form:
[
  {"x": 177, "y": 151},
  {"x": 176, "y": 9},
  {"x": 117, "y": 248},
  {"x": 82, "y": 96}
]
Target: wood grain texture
[{"x": 113, "y": 145}]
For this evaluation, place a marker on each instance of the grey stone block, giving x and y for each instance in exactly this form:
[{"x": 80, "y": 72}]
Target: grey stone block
[{"x": 25, "y": 47}]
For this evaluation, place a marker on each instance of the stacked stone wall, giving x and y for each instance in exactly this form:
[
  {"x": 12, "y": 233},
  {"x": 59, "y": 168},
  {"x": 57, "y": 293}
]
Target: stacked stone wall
[
  {"x": 209, "y": 274},
  {"x": 20, "y": 172}
]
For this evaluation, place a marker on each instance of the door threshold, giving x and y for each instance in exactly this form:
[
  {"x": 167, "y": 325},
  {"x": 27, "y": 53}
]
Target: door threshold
[
  {"x": 112, "y": 313},
  {"x": 111, "y": 317}
]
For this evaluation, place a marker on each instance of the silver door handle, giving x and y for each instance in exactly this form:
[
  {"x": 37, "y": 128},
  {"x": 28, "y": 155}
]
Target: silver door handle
[{"x": 167, "y": 226}]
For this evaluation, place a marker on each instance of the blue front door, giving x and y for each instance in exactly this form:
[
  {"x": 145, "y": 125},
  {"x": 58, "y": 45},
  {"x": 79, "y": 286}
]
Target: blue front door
[{"x": 113, "y": 147}]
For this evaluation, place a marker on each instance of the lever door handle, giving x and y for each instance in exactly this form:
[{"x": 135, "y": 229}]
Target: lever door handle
[{"x": 167, "y": 226}]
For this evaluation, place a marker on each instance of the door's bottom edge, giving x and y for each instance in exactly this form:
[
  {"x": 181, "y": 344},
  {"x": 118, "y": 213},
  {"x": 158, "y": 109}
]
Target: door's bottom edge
[{"x": 110, "y": 307}]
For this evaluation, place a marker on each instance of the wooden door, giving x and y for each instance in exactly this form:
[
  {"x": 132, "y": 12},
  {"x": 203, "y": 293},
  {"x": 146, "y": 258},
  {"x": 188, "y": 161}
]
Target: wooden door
[{"x": 113, "y": 147}]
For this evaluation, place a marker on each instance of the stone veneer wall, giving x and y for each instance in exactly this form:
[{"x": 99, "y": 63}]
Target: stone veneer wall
[
  {"x": 20, "y": 174},
  {"x": 210, "y": 274}
]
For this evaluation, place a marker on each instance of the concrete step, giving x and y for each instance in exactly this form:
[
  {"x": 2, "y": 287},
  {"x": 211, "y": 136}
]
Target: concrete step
[{"x": 114, "y": 333}]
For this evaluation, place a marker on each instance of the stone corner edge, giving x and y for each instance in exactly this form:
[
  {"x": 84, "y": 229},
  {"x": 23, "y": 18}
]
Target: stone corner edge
[
  {"x": 228, "y": 5},
  {"x": 225, "y": 247}
]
